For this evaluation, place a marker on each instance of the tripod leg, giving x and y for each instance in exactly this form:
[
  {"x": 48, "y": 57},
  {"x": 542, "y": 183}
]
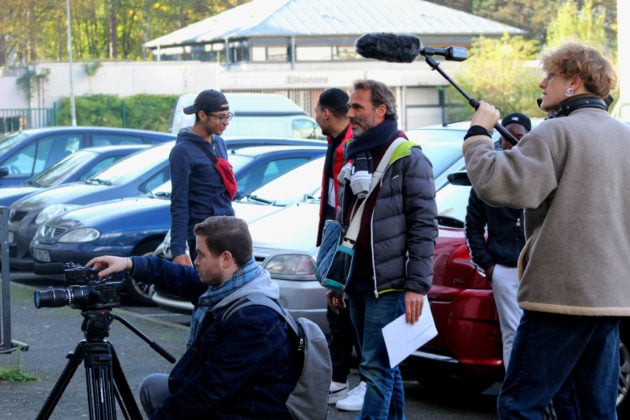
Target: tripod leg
[
  {"x": 124, "y": 395},
  {"x": 99, "y": 380},
  {"x": 74, "y": 360}
]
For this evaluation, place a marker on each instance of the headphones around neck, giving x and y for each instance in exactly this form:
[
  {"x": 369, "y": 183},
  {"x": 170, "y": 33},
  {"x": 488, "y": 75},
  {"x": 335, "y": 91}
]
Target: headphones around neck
[{"x": 577, "y": 103}]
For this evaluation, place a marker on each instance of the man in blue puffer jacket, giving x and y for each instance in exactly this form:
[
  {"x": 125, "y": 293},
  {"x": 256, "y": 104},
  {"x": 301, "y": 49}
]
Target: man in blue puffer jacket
[{"x": 243, "y": 366}]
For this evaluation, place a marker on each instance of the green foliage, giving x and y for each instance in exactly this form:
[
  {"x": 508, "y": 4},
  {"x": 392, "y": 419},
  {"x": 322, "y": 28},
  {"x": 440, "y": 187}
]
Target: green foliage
[
  {"x": 114, "y": 29},
  {"x": 586, "y": 25},
  {"x": 91, "y": 68},
  {"x": 149, "y": 112},
  {"x": 500, "y": 71},
  {"x": 16, "y": 374},
  {"x": 31, "y": 81}
]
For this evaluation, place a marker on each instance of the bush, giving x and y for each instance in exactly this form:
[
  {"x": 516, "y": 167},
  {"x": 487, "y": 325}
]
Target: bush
[{"x": 148, "y": 112}]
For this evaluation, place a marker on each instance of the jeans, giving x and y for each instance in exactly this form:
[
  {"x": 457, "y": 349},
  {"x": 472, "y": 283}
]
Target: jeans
[
  {"x": 153, "y": 392},
  {"x": 550, "y": 352},
  {"x": 385, "y": 395},
  {"x": 505, "y": 288}
]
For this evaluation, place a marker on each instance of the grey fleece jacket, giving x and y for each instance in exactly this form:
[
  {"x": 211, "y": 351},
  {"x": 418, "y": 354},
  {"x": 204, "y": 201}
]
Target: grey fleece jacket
[{"x": 572, "y": 175}]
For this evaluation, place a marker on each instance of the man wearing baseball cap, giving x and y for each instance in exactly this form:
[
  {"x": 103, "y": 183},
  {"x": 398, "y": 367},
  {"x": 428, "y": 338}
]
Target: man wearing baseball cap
[
  {"x": 498, "y": 254},
  {"x": 202, "y": 180}
]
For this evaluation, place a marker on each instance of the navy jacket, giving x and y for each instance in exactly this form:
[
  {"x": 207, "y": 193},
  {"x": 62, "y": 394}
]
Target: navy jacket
[
  {"x": 243, "y": 367},
  {"x": 506, "y": 235},
  {"x": 198, "y": 190}
]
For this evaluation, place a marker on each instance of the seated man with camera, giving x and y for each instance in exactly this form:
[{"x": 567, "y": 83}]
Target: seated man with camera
[{"x": 240, "y": 366}]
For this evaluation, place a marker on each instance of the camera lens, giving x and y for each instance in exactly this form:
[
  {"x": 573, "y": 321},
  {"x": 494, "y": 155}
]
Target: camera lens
[
  {"x": 51, "y": 298},
  {"x": 54, "y": 298}
]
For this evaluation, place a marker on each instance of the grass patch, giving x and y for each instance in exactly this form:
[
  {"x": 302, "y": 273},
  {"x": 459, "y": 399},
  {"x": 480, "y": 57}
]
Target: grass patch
[{"x": 16, "y": 375}]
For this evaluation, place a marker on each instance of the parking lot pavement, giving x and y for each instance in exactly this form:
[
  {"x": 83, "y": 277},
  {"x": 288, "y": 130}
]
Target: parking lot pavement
[{"x": 51, "y": 333}]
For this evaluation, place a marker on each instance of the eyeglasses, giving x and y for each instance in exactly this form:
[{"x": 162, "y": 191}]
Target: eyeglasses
[{"x": 222, "y": 118}]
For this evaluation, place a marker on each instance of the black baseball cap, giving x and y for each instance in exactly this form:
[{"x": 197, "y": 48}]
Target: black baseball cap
[
  {"x": 209, "y": 100},
  {"x": 517, "y": 118}
]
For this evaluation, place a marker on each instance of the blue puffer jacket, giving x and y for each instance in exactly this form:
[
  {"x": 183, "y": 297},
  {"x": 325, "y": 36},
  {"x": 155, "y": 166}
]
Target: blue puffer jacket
[
  {"x": 243, "y": 367},
  {"x": 198, "y": 190}
]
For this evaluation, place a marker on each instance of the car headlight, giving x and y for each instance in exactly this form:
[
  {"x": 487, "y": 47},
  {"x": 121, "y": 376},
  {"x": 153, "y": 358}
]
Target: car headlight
[
  {"x": 52, "y": 211},
  {"x": 85, "y": 234},
  {"x": 291, "y": 266}
]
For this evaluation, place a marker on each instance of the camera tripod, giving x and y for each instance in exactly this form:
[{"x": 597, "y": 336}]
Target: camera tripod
[{"x": 104, "y": 375}]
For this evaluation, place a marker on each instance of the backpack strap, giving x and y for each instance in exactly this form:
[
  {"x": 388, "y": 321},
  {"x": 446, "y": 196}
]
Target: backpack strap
[{"x": 259, "y": 299}]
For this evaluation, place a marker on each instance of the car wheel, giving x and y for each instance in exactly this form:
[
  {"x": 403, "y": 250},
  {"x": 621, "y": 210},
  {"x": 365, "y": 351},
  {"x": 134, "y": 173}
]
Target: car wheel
[
  {"x": 139, "y": 293},
  {"x": 623, "y": 401}
]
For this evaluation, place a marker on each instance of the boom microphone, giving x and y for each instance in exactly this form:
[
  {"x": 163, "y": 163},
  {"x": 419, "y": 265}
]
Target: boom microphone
[
  {"x": 395, "y": 48},
  {"x": 404, "y": 48},
  {"x": 49, "y": 268}
]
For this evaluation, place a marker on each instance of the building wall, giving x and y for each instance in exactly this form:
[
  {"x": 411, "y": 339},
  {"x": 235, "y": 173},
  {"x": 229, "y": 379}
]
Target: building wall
[{"x": 415, "y": 85}]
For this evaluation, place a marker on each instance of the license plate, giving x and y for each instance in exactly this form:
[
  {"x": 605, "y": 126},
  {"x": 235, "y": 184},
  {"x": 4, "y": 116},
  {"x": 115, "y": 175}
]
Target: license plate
[{"x": 41, "y": 255}]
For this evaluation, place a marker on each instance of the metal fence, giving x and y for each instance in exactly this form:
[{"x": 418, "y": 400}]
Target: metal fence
[{"x": 21, "y": 118}]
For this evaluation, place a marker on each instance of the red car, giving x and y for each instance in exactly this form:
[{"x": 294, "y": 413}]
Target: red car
[{"x": 466, "y": 354}]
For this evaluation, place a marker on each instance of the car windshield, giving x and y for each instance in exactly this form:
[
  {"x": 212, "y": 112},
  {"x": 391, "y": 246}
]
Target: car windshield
[
  {"x": 7, "y": 142},
  {"x": 133, "y": 166},
  {"x": 61, "y": 170},
  {"x": 239, "y": 161},
  {"x": 452, "y": 201},
  {"x": 297, "y": 184},
  {"x": 442, "y": 146}
]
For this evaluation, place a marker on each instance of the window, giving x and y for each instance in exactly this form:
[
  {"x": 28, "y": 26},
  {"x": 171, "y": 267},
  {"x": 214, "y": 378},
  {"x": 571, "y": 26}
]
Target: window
[
  {"x": 41, "y": 154},
  {"x": 109, "y": 139}
]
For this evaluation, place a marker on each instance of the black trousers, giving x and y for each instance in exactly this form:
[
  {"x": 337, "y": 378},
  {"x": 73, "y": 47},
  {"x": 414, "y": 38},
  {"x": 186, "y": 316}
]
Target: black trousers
[{"x": 343, "y": 340}]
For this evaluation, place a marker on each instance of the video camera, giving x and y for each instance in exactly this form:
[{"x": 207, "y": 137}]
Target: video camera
[{"x": 86, "y": 292}]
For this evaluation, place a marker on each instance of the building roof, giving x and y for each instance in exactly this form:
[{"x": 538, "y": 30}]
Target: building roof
[{"x": 336, "y": 18}]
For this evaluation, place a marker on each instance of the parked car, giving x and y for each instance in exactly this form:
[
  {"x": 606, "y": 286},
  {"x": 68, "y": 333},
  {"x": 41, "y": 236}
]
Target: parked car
[
  {"x": 26, "y": 153},
  {"x": 290, "y": 232},
  {"x": 135, "y": 226},
  {"x": 78, "y": 166},
  {"x": 296, "y": 186},
  {"x": 132, "y": 177}
]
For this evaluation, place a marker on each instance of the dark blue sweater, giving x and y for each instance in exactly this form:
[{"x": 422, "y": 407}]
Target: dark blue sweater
[
  {"x": 242, "y": 367},
  {"x": 197, "y": 188}
]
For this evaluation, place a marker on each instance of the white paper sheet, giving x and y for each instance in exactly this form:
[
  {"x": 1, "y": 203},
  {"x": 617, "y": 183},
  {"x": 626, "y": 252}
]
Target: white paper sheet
[{"x": 402, "y": 339}]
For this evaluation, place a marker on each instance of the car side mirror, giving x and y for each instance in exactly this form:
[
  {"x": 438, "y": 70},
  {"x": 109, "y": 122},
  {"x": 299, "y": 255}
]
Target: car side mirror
[
  {"x": 459, "y": 178},
  {"x": 4, "y": 171}
]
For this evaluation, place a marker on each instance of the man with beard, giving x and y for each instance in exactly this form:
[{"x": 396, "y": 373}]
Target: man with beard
[
  {"x": 392, "y": 267},
  {"x": 243, "y": 366}
]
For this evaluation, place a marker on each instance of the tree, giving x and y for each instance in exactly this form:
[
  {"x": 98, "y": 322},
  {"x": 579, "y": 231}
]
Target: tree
[
  {"x": 534, "y": 16},
  {"x": 586, "y": 25},
  {"x": 500, "y": 71},
  {"x": 36, "y": 30}
]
